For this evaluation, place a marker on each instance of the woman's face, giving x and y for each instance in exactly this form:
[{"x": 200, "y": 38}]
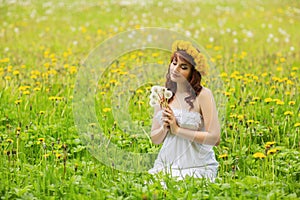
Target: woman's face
[{"x": 180, "y": 70}]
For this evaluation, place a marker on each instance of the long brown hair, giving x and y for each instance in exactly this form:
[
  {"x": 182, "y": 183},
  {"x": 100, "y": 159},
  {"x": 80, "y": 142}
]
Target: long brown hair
[{"x": 194, "y": 87}]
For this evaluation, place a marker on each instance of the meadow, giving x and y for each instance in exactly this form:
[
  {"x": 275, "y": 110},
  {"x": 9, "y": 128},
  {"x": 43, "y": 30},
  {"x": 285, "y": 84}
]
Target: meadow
[{"x": 254, "y": 46}]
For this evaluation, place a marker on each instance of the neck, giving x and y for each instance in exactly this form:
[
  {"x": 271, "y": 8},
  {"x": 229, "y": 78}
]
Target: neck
[{"x": 181, "y": 88}]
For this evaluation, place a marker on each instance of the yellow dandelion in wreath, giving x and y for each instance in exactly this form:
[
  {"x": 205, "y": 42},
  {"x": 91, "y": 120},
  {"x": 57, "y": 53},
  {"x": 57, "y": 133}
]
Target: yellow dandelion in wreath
[{"x": 195, "y": 57}]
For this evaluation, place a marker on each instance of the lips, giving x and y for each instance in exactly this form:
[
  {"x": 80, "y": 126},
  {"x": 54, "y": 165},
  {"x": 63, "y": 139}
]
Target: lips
[{"x": 175, "y": 75}]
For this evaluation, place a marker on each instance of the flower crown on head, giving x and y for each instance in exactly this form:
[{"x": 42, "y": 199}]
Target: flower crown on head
[{"x": 199, "y": 58}]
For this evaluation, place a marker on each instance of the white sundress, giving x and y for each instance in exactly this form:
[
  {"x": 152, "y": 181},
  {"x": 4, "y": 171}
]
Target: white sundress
[{"x": 181, "y": 157}]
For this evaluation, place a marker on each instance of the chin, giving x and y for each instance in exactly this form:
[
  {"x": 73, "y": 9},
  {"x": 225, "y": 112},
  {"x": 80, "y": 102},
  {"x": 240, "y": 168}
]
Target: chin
[{"x": 174, "y": 79}]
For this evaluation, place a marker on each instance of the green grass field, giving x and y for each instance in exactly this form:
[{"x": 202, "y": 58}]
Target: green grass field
[{"x": 253, "y": 44}]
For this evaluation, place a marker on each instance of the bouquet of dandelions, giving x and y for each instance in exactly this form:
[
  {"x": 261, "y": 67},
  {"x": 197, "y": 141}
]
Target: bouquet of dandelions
[{"x": 160, "y": 96}]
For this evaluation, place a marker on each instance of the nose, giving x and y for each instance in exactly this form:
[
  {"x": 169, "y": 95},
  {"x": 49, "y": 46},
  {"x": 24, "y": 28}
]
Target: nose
[{"x": 177, "y": 68}]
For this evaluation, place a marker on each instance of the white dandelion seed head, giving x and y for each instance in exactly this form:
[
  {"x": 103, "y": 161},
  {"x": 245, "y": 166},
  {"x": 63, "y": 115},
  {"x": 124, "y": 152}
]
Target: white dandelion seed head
[
  {"x": 153, "y": 103},
  {"x": 168, "y": 94},
  {"x": 154, "y": 96},
  {"x": 155, "y": 89}
]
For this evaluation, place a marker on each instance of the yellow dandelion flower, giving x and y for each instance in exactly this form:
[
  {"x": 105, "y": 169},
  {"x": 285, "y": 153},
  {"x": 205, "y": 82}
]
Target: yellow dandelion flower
[
  {"x": 17, "y": 102},
  {"x": 291, "y": 103},
  {"x": 255, "y": 98},
  {"x": 113, "y": 81},
  {"x": 106, "y": 110},
  {"x": 232, "y": 90},
  {"x": 33, "y": 77},
  {"x": 52, "y": 98},
  {"x": 133, "y": 56},
  {"x": 139, "y": 91},
  {"x": 272, "y": 151},
  {"x": 217, "y": 48},
  {"x": 52, "y": 72},
  {"x": 73, "y": 70},
  {"x": 16, "y": 72},
  {"x": 288, "y": 113},
  {"x": 41, "y": 139},
  {"x": 23, "y": 88},
  {"x": 289, "y": 82},
  {"x": 252, "y": 102},
  {"x": 58, "y": 155},
  {"x": 279, "y": 102},
  {"x": 264, "y": 74},
  {"x": 292, "y": 74},
  {"x": 271, "y": 143},
  {"x": 42, "y": 112},
  {"x": 250, "y": 121},
  {"x": 282, "y": 60},
  {"x": 47, "y": 65},
  {"x": 7, "y": 78},
  {"x": 9, "y": 140},
  {"x": 297, "y": 124},
  {"x": 26, "y": 92},
  {"x": 294, "y": 68},
  {"x": 227, "y": 94},
  {"x": 4, "y": 60},
  {"x": 259, "y": 155},
  {"x": 9, "y": 68},
  {"x": 223, "y": 156},
  {"x": 155, "y": 55},
  {"x": 123, "y": 73},
  {"x": 209, "y": 46},
  {"x": 140, "y": 102},
  {"x": 275, "y": 79},
  {"x": 240, "y": 117},
  {"x": 223, "y": 74},
  {"x": 233, "y": 115}
]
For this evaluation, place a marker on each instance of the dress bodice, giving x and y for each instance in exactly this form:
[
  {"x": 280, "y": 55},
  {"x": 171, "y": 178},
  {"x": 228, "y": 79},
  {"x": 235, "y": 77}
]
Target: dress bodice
[{"x": 185, "y": 119}]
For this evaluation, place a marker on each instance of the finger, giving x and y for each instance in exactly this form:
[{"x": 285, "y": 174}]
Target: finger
[
  {"x": 166, "y": 114},
  {"x": 168, "y": 111}
]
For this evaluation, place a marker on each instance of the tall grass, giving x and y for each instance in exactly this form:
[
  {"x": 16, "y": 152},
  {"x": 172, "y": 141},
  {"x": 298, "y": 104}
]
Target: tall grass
[{"x": 43, "y": 45}]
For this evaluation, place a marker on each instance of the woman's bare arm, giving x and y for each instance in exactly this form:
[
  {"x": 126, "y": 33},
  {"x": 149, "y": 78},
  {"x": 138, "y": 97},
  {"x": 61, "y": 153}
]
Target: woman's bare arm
[{"x": 158, "y": 131}]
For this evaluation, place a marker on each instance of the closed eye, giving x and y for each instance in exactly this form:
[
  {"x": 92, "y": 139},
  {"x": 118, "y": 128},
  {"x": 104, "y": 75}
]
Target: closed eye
[{"x": 184, "y": 66}]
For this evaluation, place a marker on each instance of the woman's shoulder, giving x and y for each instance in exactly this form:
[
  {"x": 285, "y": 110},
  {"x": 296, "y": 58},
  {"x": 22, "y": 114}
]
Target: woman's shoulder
[{"x": 205, "y": 92}]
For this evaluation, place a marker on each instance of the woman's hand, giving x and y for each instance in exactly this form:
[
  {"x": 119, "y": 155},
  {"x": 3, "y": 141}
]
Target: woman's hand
[{"x": 170, "y": 120}]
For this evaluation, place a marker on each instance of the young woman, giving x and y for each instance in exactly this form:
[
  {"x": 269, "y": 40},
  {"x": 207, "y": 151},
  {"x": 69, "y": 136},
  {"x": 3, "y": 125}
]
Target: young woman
[{"x": 188, "y": 127}]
